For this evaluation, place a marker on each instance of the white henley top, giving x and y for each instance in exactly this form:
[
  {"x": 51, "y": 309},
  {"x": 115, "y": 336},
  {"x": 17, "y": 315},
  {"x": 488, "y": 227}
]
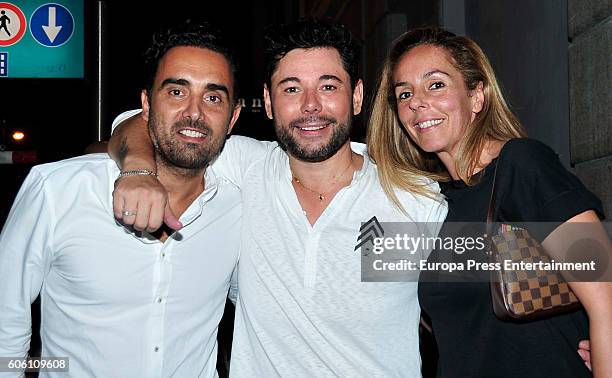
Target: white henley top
[{"x": 302, "y": 309}]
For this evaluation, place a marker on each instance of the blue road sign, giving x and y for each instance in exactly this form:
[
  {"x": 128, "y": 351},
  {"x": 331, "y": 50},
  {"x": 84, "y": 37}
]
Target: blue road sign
[{"x": 51, "y": 25}]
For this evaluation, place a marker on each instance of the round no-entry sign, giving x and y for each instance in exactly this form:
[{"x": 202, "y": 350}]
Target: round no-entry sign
[{"x": 12, "y": 24}]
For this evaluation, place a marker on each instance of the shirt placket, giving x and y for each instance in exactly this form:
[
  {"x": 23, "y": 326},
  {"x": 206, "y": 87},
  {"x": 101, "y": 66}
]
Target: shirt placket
[
  {"x": 310, "y": 259},
  {"x": 161, "y": 285}
]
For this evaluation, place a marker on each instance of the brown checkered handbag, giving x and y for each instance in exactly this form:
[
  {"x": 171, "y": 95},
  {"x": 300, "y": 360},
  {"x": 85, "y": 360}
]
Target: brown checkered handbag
[{"x": 523, "y": 295}]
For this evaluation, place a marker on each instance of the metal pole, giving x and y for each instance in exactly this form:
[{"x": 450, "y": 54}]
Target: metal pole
[{"x": 99, "y": 92}]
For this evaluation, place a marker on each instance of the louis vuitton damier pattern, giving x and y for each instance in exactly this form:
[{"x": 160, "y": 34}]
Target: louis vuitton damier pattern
[{"x": 526, "y": 294}]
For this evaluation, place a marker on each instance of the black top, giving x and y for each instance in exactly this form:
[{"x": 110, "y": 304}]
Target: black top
[{"x": 533, "y": 186}]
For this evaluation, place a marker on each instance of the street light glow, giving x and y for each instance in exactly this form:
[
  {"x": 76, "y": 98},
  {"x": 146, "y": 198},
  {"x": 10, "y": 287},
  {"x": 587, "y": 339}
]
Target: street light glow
[{"x": 18, "y": 135}]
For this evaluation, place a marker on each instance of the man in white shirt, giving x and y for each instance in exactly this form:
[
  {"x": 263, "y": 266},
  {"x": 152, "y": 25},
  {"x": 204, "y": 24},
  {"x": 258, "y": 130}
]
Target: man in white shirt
[
  {"x": 302, "y": 309},
  {"x": 115, "y": 302}
]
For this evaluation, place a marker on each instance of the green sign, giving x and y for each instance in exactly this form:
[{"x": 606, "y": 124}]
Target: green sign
[{"x": 42, "y": 39}]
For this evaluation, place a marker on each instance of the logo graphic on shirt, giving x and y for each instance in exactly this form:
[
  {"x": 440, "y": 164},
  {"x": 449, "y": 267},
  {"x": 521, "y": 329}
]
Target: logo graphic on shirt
[{"x": 367, "y": 233}]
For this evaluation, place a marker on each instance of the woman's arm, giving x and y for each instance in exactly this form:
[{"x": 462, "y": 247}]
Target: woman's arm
[{"x": 596, "y": 297}]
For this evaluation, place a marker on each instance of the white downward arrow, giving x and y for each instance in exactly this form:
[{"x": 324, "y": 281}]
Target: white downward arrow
[{"x": 52, "y": 30}]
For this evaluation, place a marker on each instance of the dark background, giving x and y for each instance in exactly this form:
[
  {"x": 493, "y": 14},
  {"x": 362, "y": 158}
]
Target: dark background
[{"x": 527, "y": 42}]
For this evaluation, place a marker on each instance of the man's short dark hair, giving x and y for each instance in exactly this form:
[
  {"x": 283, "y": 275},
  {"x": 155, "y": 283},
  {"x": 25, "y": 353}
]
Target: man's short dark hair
[
  {"x": 307, "y": 34},
  {"x": 190, "y": 34}
]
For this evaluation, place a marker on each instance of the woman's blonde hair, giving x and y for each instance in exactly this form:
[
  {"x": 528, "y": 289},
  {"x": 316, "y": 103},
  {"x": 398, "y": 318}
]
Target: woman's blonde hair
[{"x": 400, "y": 160}]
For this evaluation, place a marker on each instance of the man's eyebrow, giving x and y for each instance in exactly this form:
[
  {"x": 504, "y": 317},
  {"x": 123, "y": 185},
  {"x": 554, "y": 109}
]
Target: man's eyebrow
[
  {"x": 183, "y": 82},
  {"x": 217, "y": 87},
  {"x": 330, "y": 77},
  {"x": 288, "y": 79},
  {"x": 175, "y": 81},
  {"x": 322, "y": 77}
]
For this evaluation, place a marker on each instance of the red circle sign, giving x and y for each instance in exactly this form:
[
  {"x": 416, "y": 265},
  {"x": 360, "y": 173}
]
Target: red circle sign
[{"x": 5, "y": 22}]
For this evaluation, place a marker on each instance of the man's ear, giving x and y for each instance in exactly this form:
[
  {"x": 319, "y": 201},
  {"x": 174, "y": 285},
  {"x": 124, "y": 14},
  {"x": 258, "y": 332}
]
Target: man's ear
[
  {"x": 268, "y": 102},
  {"x": 357, "y": 97},
  {"x": 144, "y": 100},
  {"x": 235, "y": 115}
]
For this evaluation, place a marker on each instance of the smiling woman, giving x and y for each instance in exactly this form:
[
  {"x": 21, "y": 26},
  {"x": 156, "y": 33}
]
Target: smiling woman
[
  {"x": 439, "y": 112},
  {"x": 433, "y": 102}
]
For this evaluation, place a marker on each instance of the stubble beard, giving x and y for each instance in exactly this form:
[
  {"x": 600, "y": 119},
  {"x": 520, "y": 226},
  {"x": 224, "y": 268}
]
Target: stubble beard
[
  {"x": 187, "y": 159},
  {"x": 341, "y": 133}
]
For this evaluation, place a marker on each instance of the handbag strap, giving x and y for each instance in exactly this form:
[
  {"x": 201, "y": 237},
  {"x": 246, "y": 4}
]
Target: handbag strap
[{"x": 491, "y": 209}]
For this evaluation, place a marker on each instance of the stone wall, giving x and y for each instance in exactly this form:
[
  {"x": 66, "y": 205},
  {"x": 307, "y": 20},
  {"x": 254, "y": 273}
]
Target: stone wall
[
  {"x": 590, "y": 80},
  {"x": 526, "y": 42}
]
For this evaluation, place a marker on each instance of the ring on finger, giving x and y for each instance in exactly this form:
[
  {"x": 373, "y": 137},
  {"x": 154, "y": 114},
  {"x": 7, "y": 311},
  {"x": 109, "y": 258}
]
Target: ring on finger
[{"x": 129, "y": 213}]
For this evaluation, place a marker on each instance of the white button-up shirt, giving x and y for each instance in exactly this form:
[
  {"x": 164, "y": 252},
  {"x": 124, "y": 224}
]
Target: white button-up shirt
[{"x": 116, "y": 303}]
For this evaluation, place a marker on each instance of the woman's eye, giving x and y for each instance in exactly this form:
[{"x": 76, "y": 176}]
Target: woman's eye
[
  {"x": 404, "y": 95},
  {"x": 437, "y": 85}
]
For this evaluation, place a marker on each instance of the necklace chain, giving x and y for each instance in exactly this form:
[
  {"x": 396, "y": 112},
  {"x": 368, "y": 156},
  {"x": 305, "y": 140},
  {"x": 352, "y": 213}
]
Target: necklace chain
[{"x": 322, "y": 195}]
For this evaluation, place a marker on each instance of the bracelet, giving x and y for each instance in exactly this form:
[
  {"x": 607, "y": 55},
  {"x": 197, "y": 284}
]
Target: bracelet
[{"x": 144, "y": 172}]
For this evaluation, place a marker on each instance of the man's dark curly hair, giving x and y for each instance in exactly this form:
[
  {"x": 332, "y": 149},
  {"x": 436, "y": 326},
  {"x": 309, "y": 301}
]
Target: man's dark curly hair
[
  {"x": 190, "y": 33},
  {"x": 307, "y": 34}
]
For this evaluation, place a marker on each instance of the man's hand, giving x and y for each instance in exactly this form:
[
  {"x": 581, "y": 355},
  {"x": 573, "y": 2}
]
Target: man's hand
[
  {"x": 139, "y": 201},
  {"x": 584, "y": 350},
  {"x": 142, "y": 202}
]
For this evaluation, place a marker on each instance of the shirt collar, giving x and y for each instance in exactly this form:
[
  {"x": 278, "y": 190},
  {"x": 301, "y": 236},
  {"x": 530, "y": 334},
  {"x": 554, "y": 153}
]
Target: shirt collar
[
  {"x": 211, "y": 185},
  {"x": 361, "y": 149}
]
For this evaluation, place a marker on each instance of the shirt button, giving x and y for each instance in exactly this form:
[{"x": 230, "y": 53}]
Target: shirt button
[
  {"x": 156, "y": 349},
  {"x": 163, "y": 254},
  {"x": 159, "y": 300}
]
